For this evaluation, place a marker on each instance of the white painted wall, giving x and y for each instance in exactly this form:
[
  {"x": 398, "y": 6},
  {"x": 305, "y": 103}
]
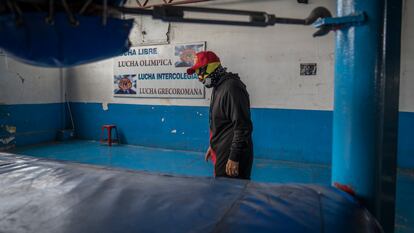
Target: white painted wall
[
  {"x": 25, "y": 84},
  {"x": 407, "y": 58},
  {"x": 267, "y": 59}
]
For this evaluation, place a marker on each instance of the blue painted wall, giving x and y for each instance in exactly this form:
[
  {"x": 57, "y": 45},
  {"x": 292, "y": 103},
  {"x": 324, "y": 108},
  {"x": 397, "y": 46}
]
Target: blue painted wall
[
  {"x": 406, "y": 140},
  {"x": 184, "y": 128},
  {"x": 35, "y": 123},
  {"x": 293, "y": 135},
  {"x": 297, "y": 135},
  {"x": 280, "y": 134}
]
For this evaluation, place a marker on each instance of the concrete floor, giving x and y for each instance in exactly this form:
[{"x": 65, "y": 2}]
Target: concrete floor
[{"x": 193, "y": 164}]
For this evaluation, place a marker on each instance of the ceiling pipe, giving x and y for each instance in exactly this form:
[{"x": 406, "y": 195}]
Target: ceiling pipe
[{"x": 169, "y": 3}]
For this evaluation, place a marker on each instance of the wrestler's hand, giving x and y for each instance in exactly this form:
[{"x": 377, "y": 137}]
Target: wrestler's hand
[
  {"x": 232, "y": 168},
  {"x": 208, "y": 154}
]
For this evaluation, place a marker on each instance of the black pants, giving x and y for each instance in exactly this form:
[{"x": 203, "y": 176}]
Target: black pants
[{"x": 245, "y": 167}]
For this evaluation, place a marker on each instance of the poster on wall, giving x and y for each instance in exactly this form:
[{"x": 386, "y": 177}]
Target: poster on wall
[{"x": 158, "y": 71}]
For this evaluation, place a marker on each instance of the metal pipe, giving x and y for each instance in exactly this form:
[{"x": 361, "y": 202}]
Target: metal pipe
[
  {"x": 171, "y": 3},
  {"x": 85, "y": 6},
  {"x": 390, "y": 90},
  {"x": 105, "y": 12},
  {"x": 366, "y": 109},
  {"x": 357, "y": 76},
  {"x": 51, "y": 14},
  {"x": 71, "y": 16}
]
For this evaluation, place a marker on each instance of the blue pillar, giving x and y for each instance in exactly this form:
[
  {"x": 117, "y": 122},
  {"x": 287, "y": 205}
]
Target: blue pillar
[
  {"x": 357, "y": 80},
  {"x": 366, "y": 105}
]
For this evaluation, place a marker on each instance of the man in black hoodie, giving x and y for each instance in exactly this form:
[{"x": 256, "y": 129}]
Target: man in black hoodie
[{"x": 231, "y": 146}]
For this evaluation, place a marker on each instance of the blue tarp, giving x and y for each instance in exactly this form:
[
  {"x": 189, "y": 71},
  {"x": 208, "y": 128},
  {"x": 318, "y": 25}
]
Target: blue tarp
[
  {"x": 63, "y": 44},
  {"x": 39, "y": 195}
]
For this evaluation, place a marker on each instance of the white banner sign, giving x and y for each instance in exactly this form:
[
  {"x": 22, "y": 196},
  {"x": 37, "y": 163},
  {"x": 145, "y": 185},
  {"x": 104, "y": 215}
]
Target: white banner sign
[{"x": 158, "y": 71}]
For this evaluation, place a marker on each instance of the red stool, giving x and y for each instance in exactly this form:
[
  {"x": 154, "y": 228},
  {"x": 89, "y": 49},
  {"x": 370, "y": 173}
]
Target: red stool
[{"x": 109, "y": 139}]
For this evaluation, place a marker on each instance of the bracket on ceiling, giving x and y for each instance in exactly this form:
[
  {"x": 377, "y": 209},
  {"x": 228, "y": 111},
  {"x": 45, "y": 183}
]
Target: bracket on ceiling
[{"x": 335, "y": 23}]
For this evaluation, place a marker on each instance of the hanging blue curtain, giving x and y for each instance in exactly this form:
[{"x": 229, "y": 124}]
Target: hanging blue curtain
[{"x": 63, "y": 44}]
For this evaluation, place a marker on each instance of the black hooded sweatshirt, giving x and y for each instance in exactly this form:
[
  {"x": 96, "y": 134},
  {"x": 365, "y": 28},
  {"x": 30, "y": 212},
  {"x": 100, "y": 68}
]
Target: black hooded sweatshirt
[{"x": 231, "y": 126}]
